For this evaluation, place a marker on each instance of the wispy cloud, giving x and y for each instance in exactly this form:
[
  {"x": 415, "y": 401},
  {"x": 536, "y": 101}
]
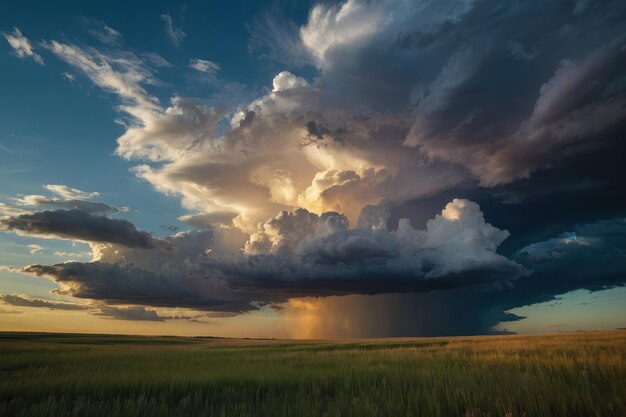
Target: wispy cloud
[
  {"x": 175, "y": 34},
  {"x": 35, "y": 249},
  {"x": 141, "y": 313},
  {"x": 67, "y": 198},
  {"x": 204, "y": 65},
  {"x": 22, "y": 48},
  {"x": 102, "y": 32},
  {"x": 71, "y": 193},
  {"x": 121, "y": 74},
  {"x": 19, "y": 300},
  {"x": 207, "y": 69},
  {"x": 72, "y": 255},
  {"x": 156, "y": 60},
  {"x": 69, "y": 76}
]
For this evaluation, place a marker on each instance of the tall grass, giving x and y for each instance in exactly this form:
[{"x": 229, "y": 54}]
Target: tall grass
[{"x": 80, "y": 375}]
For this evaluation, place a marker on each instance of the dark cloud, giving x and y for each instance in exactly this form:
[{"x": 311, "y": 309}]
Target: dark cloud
[
  {"x": 76, "y": 224},
  {"x": 590, "y": 256},
  {"x": 82, "y": 205},
  {"x": 502, "y": 99},
  {"x": 296, "y": 254},
  {"x": 518, "y": 106},
  {"x": 504, "y": 112},
  {"x": 18, "y": 300},
  {"x": 140, "y": 313},
  {"x": 581, "y": 189},
  {"x": 127, "y": 284},
  {"x": 135, "y": 313}
]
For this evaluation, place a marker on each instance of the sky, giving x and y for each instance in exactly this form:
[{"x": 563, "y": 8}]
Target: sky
[{"x": 313, "y": 169}]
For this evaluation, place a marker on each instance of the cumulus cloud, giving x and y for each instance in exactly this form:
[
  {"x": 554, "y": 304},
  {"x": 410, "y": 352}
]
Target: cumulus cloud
[
  {"x": 18, "y": 300},
  {"x": 365, "y": 130},
  {"x": 410, "y": 100},
  {"x": 282, "y": 153},
  {"x": 175, "y": 34},
  {"x": 294, "y": 254},
  {"x": 307, "y": 250},
  {"x": 77, "y": 225},
  {"x": 588, "y": 256},
  {"x": 293, "y": 147},
  {"x": 22, "y": 48}
]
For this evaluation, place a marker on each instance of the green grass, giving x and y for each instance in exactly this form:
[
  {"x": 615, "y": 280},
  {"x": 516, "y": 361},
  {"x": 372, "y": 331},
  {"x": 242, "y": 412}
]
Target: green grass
[{"x": 92, "y": 375}]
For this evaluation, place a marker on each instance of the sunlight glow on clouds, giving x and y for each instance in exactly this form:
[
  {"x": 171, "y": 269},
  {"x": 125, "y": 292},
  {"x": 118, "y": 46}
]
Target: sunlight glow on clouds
[{"x": 293, "y": 189}]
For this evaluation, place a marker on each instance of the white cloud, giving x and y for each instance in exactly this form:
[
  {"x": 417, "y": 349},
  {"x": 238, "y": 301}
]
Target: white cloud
[
  {"x": 287, "y": 81},
  {"x": 68, "y": 193},
  {"x": 122, "y": 74},
  {"x": 76, "y": 224},
  {"x": 284, "y": 150},
  {"x": 35, "y": 249},
  {"x": 69, "y": 76},
  {"x": 22, "y": 48},
  {"x": 351, "y": 22},
  {"x": 458, "y": 240},
  {"x": 203, "y": 65}
]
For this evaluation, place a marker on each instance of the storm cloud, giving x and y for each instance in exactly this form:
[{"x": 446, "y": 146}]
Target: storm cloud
[
  {"x": 470, "y": 150},
  {"x": 78, "y": 225},
  {"x": 18, "y": 300},
  {"x": 296, "y": 254}
]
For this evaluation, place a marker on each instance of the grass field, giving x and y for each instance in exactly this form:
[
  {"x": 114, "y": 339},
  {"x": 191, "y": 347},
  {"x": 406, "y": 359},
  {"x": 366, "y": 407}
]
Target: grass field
[{"x": 86, "y": 375}]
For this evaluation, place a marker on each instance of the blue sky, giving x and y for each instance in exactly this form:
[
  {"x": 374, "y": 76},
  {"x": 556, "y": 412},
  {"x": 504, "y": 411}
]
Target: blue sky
[{"x": 493, "y": 134}]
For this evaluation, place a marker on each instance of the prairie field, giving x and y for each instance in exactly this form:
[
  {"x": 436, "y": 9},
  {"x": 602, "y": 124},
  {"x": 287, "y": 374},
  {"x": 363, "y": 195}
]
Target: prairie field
[{"x": 581, "y": 374}]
